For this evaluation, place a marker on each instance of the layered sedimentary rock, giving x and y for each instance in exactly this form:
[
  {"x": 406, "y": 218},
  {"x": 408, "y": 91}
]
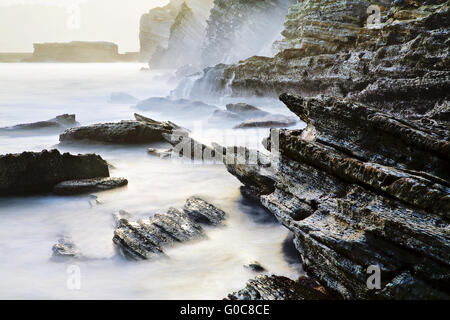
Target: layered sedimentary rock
[
  {"x": 146, "y": 239},
  {"x": 75, "y": 51},
  {"x": 401, "y": 65},
  {"x": 281, "y": 288},
  {"x": 155, "y": 26},
  {"x": 32, "y": 172},
  {"x": 359, "y": 188},
  {"x": 238, "y": 29}
]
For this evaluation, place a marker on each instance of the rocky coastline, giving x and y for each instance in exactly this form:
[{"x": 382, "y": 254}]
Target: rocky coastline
[{"x": 363, "y": 188}]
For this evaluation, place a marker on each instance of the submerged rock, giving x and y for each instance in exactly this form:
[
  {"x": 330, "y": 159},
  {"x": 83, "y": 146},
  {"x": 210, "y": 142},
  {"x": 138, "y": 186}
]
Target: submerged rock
[
  {"x": 88, "y": 185},
  {"x": 269, "y": 121},
  {"x": 130, "y": 132},
  {"x": 57, "y": 124},
  {"x": 33, "y": 172},
  {"x": 146, "y": 238},
  {"x": 246, "y": 111},
  {"x": 281, "y": 288},
  {"x": 360, "y": 188},
  {"x": 255, "y": 267},
  {"x": 66, "y": 248},
  {"x": 161, "y": 153},
  {"x": 122, "y": 97},
  {"x": 176, "y": 107}
]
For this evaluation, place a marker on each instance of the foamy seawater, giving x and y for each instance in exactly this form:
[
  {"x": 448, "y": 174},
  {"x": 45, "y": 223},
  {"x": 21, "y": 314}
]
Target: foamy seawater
[{"x": 30, "y": 226}]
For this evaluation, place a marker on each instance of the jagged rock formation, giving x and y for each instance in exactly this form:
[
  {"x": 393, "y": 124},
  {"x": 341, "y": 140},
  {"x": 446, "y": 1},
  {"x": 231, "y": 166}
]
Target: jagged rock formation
[
  {"x": 88, "y": 185},
  {"x": 156, "y": 25},
  {"x": 238, "y": 29},
  {"x": 401, "y": 67},
  {"x": 359, "y": 187},
  {"x": 33, "y": 172},
  {"x": 186, "y": 35},
  {"x": 146, "y": 239},
  {"x": 281, "y": 288},
  {"x": 57, "y": 124},
  {"x": 130, "y": 132}
]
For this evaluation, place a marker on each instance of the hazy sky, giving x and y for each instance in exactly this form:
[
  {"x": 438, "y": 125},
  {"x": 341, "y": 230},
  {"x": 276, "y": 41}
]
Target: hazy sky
[{"x": 23, "y": 22}]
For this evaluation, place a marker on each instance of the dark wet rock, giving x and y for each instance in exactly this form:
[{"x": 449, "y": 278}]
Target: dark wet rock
[
  {"x": 128, "y": 132},
  {"x": 88, "y": 185},
  {"x": 57, "y": 124},
  {"x": 65, "y": 249},
  {"x": 34, "y": 172},
  {"x": 186, "y": 147},
  {"x": 161, "y": 153},
  {"x": 168, "y": 124},
  {"x": 361, "y": 187},
  {"x": 269, "y": 121},
  {"x": 246, "y": 111},
  {"x": 121, "y": 214},
  {"x": 200, "y": 211},
  {"x": 146, "y": 238},
  {"x": 167, "y": 106},
  {"x": 372, "y": 135},
  {"x": 281, "y": 288},
  {"x": 122, "y": 97},
  {"x": 255, "y": 267}
]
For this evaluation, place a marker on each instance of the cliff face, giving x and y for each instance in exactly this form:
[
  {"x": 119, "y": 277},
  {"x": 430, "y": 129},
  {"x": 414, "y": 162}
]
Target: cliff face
[
  {"x": 238, "y": 29},
  {"x": 365, "y": 186},
  {"x": 360, "y": 189},
  {"x": 155, "y": 29},
  {"x": 186, "y": 33},
  {"x": 402, "y": 66},
  {"x": 76, "y": 51},
  {"x": 155, "y": 26}
]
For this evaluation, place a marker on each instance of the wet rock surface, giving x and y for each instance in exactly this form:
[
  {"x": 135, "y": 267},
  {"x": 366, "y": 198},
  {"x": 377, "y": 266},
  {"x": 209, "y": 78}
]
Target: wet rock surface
[
  {"x": 57, "y": 124},
  {"x": 268, "y": 121},
  {"x": 255, "y": 267},
  {"x": 36, "y": 172},
  {"x": 73, "y": 187},
  {"x": 147, "y": 238},
  {"x": 352, "y": 203},
  {"x": 143, "y": 130},
  {"x": 281, "y": 288},
  {"x": 66, "y": 249}
]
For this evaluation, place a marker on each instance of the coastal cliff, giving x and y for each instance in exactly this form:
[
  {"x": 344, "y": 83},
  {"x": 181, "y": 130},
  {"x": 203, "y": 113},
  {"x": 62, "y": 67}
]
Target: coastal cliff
[
  {"x": 156, "y": 25},
  {"x": 401, "y": 65},
  {"x": 186, "y": 33},
  {"x": 365, "y": 186},
  {"x": 79, "y": 51}
]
